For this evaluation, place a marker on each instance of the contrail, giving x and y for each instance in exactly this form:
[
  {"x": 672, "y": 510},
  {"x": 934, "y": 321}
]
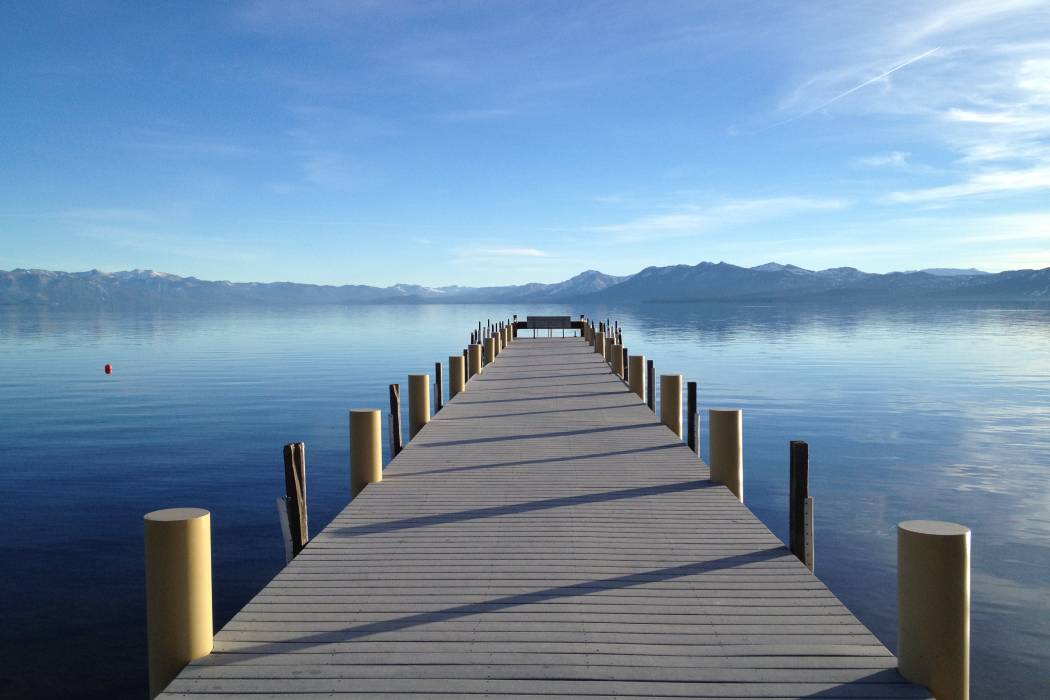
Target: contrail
[{"x": 853, "y": 89}]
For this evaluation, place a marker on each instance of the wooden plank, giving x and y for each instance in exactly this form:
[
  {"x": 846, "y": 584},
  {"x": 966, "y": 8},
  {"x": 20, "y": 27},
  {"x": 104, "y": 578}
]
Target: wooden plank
[{"x": 545, "y": 537}]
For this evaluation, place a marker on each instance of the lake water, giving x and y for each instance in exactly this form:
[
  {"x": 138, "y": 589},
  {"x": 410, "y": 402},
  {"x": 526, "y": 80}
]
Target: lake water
[{"x": 939, "y": 412}]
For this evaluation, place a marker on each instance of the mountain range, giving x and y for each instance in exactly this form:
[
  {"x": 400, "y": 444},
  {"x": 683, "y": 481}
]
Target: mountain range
[{"x": 146, "y": 289}]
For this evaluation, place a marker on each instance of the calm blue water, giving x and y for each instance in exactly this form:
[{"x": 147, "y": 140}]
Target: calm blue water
[{"x": 913, "y": 412}]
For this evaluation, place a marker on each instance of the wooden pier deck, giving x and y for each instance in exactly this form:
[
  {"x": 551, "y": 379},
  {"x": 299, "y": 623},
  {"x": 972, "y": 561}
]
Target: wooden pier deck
[{"x": 545, "y": 537}]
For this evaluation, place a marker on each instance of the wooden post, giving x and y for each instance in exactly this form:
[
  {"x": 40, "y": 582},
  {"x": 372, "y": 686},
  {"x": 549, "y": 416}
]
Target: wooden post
[
  {"x": 807, "y": 540},
  {"x": 637, "y": 373},
  {"x": 933, "y": 606},
  {"x": 178, "y": 591},
  {"x": 418, "y": 403},
  {"x": 366, "y": 448},
  {"x": 626, "y": 366},
  {"x": 650, "y": 385},
  {"x": 437, "y": 386},
  {"x": 616, "y": 359},
  {"x": 295, "y": 492},
  {"x": 725, "y": 431},
  {"x": 798, "y": 492},
  {"x": 457, "y": 376},
  {"x": 396, "y": 443},
  {"x": 490, "y": 349},
  {"x": 474, "y": 360},
  {"x": 671, "y": 402},
  {"x": 693, "y": 418}
]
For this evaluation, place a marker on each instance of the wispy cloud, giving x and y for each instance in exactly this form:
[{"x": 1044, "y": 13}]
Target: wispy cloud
[
  {"x": 279, "y": 17},
  {"x": 896, "y": 159},
  {"x": 1028, "y": 226},
  {"x": 691, "y": 220},
  {"x": 984, "y": 94},
  {"x": 475, "y": 115},
  {"x": 987, "y": 183},
  {"x": 153, "y": 246},
  {"x": 846, "y": 93},
  {"x": 513, "y": 253}
]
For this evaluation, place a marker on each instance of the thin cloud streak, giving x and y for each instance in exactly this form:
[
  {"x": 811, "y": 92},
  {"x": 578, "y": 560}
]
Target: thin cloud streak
[
  {"x": 695, "y": 220},
  {"x": 514, "y": 252},
  {"x": 853, "y": 89},
  {"x": 998, "y": 182}
]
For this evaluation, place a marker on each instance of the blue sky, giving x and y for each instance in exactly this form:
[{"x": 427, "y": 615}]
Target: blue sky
[{"x": 502, "y": 142}]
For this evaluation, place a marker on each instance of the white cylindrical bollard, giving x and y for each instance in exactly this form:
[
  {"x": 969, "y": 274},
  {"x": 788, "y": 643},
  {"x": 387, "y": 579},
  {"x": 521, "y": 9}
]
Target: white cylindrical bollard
[
  {"x": 726, "y": 448},
  {"x": 418, "y": 403},
  {"x": 178, "y": 591},
  {"x": 457, "y": 376},
  {"x": 636, "y": 371},
  {"x": 933, "y": 606},
  {"x": 366, "y": 448}
]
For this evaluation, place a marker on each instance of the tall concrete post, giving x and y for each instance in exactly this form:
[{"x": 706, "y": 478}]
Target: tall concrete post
[
  {"x": 726, "y": 448},
  {"x": 366, "y": 448},
  {"x": 418, "y": 403},
  {"x": 933, "y": 606},
  {"x": 178, "y": 591},
  {"x": 671, "y": 402},
  {"x": 457, "y": 376}
]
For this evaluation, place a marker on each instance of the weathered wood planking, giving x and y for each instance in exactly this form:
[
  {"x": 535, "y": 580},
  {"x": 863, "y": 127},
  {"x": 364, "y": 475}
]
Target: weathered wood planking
[{"x": 545, "y": 536}]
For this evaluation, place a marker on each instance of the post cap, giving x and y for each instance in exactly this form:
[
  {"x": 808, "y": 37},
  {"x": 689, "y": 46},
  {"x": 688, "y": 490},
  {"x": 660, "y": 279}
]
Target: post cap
[
  {"x": 174, "y": 515},
  {"x": 934, "y": 528}
]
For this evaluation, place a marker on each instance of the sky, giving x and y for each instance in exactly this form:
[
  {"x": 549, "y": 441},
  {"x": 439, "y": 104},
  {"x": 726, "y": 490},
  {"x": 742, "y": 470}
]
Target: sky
[{"x": 498, "y": 142}]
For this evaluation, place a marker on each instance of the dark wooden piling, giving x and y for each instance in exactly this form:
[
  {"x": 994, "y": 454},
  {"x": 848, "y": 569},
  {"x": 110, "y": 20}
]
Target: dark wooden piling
[
  {"x": 799, "y": 501},
  {"x": 437, "y": 387},
  {"x": 650, "y": 385},
  {"x": 626, "y": 370},
  {"x": 295, "y": 491},
  {"x": 396, "y": 444},
  {"x": 693, "y": 418}
]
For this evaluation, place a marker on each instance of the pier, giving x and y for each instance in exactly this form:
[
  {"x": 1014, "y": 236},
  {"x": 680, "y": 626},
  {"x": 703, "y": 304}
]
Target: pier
[{"x": 545, "y": 535}]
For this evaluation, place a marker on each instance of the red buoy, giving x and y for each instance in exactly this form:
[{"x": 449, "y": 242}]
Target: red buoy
[{"x": 109, "y": 369}]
